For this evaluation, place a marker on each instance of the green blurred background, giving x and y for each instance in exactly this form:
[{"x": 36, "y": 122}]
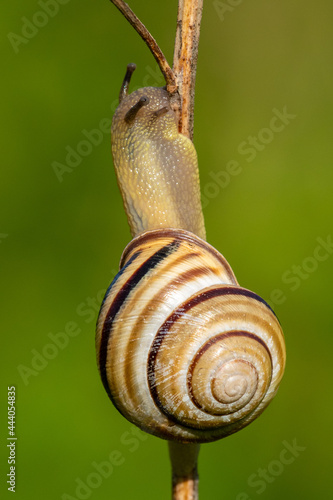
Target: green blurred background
[{"x": 61, "y": 236}]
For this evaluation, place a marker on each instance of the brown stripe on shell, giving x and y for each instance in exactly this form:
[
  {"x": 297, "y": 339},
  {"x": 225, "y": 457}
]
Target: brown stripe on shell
[
  {"x": 181, "y": 235},
  {"x": 208, "y": 344},
  {"x": 210, "y": 293},
  {"x": 121, "y": 297},
  {"x": 184, "y": 277},
  {"x": 109, "y": 291}
]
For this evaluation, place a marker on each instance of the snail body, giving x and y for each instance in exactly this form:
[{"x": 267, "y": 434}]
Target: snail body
[
  {"x": 184, "y": 352},
  {"x": 156, "y": 166}
]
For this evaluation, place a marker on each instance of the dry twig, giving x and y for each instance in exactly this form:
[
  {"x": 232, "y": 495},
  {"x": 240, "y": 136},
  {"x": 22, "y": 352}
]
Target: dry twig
[
  {"x": 150, "y": 42},
  {"x": 185, "y": 59}
]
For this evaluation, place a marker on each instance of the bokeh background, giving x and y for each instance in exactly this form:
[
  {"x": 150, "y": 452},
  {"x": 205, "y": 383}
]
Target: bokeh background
[{"x": 62, "y": 231}]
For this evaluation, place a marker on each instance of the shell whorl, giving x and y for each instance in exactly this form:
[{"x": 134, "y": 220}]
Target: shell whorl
[{"x": 184, "y": 352}]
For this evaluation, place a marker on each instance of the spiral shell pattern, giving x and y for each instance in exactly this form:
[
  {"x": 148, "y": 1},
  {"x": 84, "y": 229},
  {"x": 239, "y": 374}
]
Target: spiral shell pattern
[{"x": 184, "y": 352}]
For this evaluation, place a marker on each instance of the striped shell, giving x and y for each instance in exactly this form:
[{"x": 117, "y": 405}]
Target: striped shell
[{"x": 184, "y": 352}]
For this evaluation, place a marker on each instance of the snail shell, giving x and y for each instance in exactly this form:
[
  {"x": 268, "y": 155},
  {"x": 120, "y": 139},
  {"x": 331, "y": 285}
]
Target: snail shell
[{"x": 184, "y": 352}]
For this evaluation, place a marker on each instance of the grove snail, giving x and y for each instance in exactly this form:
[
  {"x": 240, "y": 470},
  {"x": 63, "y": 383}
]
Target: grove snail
[{"x": 184, "y": 352}]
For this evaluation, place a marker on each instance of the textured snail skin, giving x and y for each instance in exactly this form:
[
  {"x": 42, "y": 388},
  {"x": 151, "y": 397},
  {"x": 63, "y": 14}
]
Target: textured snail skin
[
  {"x": 184, "y": 352},
  {"x": 156, "y": 166}
]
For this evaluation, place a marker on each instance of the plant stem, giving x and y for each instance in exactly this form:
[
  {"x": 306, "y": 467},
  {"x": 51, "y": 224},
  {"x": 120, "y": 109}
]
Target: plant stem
[
  {"x": 185, "y": 59},
  {"x": 184, "y": 459},
  {"x": 150, "y": 42}
]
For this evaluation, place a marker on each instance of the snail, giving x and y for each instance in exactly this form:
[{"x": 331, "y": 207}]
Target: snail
[{"x": 184, "y": 352}]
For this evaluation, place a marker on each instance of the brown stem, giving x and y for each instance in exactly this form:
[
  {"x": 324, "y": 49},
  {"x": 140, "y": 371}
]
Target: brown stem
[
  {"x": 150, "y": 42},
  {"x": 184, "y": 459},
  {"x": 185, "y": 59}
]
